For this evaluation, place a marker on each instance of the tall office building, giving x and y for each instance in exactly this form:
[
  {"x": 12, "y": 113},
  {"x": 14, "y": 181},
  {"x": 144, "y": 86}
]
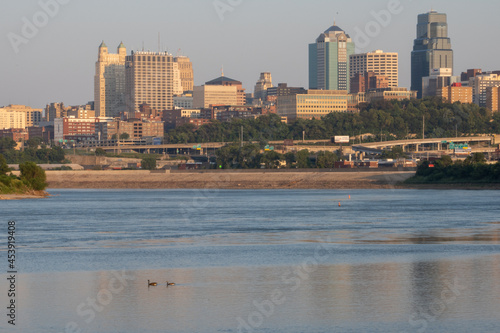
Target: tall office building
[
  {"x": 33, "y": 116},
  {"x": 479, "y": 85},
  {"x": 431, "y": 48},
  {"x": 12, "y": 119},
  {"x": 329, "y": 60},
  {"x": 492, "y": 98},
  {"x": 379, "y": 62},
  {"x": 186, "y": 74},
  {"x": 228, "y": 82},
  {"x": 109, "y": 82},
  {"x": 149, "y": 79},
  {"x": 265, "y": 82}
]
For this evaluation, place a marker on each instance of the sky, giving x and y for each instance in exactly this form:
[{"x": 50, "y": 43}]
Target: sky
[{"x": 49, "y": 47}]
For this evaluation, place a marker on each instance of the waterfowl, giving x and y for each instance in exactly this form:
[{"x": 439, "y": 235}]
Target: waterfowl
[
  {"x": 170, "y": 284},
  {"x": 152, "y": 283}
]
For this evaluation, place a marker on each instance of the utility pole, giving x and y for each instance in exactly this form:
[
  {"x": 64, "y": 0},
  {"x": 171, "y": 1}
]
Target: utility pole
[
  {"x": 423, "y": 127},
  {"x": 241, "y": 137}
]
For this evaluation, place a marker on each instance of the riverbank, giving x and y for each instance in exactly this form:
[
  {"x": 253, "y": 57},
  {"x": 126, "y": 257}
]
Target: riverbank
[
  {"x": 142, "y": 179},
  {"x": 30, "y": 195}
]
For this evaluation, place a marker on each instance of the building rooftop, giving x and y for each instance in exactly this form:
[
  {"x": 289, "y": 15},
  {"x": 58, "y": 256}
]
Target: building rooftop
[
  {"x": 333, "y": 28},
  {"x": 121, "y": 46},
  {"x": 103, "y": 45},
  {"x": 220, "y": 80}
]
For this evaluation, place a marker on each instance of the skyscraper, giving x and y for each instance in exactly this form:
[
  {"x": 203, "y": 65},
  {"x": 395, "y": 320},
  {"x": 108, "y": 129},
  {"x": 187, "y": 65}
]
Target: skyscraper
[
  {"x": 378, "y": 62},
  {"x": 149, "y": 79},
  {"x": 265, "y": 82},
  {"x": 431, "y": 49},
  {"x": 329, "y": 60},
  {"x": 185, "y": 67},
  {"x": 109, "y": 82}
]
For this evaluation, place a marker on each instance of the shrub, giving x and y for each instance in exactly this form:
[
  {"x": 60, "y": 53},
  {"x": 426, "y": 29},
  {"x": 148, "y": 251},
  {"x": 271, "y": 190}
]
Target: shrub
[
  {"x": 100, "y": 152},
  {"x": 148, "y": 163},
  {"x": 33, "y": 176}
]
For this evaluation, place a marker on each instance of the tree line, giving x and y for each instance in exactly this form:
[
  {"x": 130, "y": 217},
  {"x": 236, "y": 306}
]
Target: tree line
[
  {"x": 390, "y": 120},
  {"x": 249, "y": 156},
  {"x": 473, "y": 169},
  {"x": 34, "y": 152}
]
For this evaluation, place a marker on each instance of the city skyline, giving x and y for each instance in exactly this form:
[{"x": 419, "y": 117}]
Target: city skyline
[{"x": 56, "y": 62}]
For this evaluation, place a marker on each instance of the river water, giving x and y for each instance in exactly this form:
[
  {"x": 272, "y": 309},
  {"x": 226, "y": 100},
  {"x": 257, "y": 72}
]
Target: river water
[{"x": 254, "y": 261}]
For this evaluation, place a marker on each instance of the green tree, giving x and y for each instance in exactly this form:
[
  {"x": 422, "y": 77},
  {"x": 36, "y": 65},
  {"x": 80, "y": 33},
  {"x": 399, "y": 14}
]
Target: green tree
[
  {"x": 271, "y": 159},
  {"x": 33, "y": 176},
  {"x": 290, "y": 159},
  {"x": 56, "y": 155},
  {"x": 475, "y": 158},
  {"x": 34, "y": 142},
  {"x": 303, "y": 160},
  {"x": 326, "y": 159},
  {"x": 124, "y": 136},
  {"x": 444, "y": 162},
  {"x": 7, "y": 144},
  {"x": 148, "y": 163},
  {"x": 4, "y": 168},
  {"x": 394, "y": 153},
  {"x": 100, "y": 152}
]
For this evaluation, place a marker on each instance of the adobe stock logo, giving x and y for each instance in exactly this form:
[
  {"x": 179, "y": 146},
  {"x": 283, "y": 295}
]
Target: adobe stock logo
[
  {"x": 31, "y": 28},
  {"x": 223, "y": 6},
  {"x": 381, "y": 19}
]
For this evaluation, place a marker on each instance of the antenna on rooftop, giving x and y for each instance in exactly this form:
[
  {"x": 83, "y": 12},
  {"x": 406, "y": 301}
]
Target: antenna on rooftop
[
  {"x": 222, "y": 70},
  {"x": 159, "y": 42}
]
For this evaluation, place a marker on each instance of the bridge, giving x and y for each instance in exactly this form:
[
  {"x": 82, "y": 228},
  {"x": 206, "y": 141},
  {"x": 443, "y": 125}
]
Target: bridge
[
  {"x": 378, "y": 147},
  {"x": 418, "y": 146}
]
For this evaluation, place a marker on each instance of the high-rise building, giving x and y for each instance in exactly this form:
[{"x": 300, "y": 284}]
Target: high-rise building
[
  {"x": 109, "y": 82},
  {"x": 55, "y": 110},
  {"x": 493, "y": 98},
  {"x": 149, "y": 79},
  {"x": 265, "y": 82},
  {"x": 378, "y": 62},
  {"x": 431, "y": 49},
  {"x": 480, "y": 83},
  {"x": 185, "y": 72},
  {"x": 12, "y": 119},
  {"x": 33, "y": 116},
  {"x": 207, "y": 95},
  {"x": 228, "y": 82},
  {"x": 329, "y": 60},
  {"x": 178, "y": 90}
]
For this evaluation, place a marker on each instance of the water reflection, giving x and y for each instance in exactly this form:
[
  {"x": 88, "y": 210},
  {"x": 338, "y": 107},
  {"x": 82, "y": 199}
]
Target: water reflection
[{"x": 385, "y": 296}]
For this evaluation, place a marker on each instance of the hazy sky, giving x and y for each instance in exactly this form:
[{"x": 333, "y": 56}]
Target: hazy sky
[{"x": 57, "y": 62}]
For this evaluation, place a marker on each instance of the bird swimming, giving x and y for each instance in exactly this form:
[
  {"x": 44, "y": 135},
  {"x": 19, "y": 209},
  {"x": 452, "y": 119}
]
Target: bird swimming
[
  {"x": 152, "y": 283},
  {"x": 170, "y": 284}
]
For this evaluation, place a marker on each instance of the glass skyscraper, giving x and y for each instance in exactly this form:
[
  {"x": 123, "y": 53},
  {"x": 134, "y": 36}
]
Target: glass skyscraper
[
  {"x": 431, "y": 49},
  {"x": 329, "y": 60}
]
